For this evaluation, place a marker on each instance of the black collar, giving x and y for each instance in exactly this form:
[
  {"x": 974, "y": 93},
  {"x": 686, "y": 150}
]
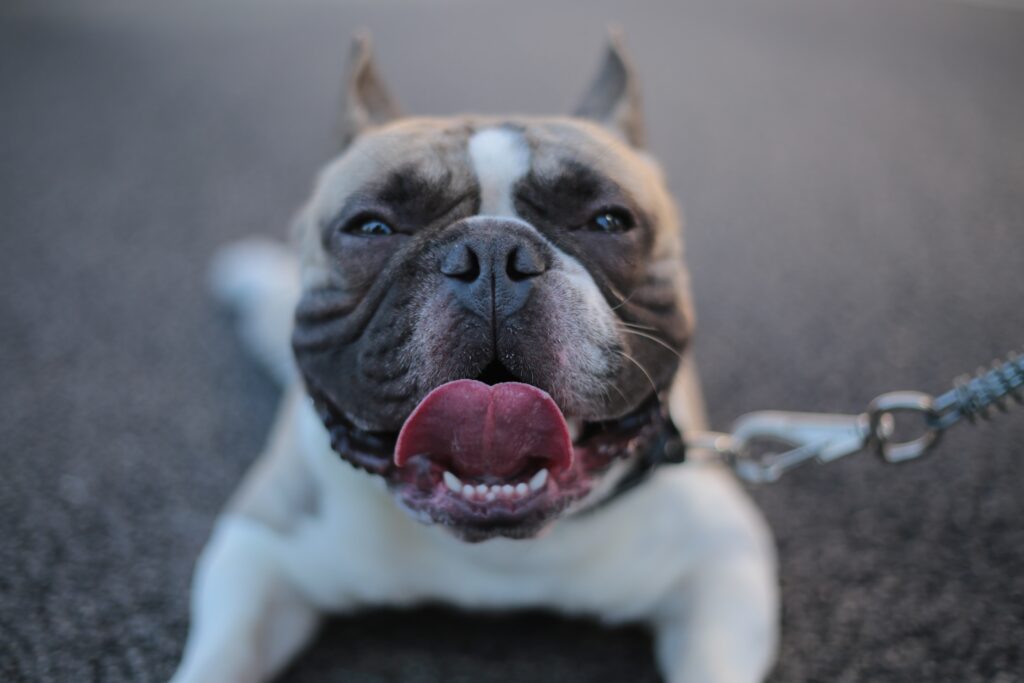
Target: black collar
[{"x": 667, "y": 448}]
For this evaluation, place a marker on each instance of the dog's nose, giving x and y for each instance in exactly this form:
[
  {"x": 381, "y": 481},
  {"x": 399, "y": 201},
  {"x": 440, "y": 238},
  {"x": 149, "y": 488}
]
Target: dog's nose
[{"x": 492, "y": 265}]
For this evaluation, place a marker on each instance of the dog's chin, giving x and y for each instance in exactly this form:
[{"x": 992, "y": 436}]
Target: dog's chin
[{"x": 476, "y": 507}]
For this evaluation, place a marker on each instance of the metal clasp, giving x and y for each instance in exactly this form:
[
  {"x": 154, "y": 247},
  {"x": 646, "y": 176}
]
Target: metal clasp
[{"x": 821, "y": 437}]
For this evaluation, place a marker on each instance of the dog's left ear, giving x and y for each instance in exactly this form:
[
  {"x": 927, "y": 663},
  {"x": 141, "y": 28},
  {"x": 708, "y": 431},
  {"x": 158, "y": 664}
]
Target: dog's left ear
[
  {"x": 613, "y": 98},
  {"x": 367, "y": 103}
]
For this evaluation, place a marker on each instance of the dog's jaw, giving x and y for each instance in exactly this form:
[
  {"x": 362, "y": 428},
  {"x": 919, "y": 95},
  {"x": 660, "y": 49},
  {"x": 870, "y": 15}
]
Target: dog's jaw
[
  {"x": 483, "y": 505},
  {"x": 522, "y": 506}
]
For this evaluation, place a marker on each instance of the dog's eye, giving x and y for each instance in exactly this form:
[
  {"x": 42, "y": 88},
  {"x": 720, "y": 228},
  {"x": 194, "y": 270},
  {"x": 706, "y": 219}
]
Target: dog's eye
[
  {"x": 369, "y": 227},
  {"x": 364, "y": 225},
  {"x": 611, "y": 221}
]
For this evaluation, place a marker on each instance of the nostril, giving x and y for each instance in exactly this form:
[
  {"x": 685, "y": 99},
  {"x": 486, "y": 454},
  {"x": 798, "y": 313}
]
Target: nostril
[
  {"x": 524, "y": 262},
  {"x": 461, "y": 263}
]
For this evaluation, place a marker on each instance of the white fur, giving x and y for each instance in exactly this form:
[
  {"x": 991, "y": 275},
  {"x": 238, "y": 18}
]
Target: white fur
[
  {"x": 499, "y": 157},
  {"x": 247, "y": 620},
  {"x": 686, "y": 553},
  {"x": 589, "y": 304}
]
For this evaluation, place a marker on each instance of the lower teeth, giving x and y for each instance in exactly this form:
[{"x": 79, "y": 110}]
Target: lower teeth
[{"x": 496, "y": 491}]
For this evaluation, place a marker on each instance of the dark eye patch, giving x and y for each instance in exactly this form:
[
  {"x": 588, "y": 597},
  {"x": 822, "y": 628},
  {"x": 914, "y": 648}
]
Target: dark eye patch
[
  {"x": 576, "y": 182},
  {"x": 408, "y": 200},
  {"x": 407, "y": 188},
  {"x": 579, "y": 209},
  {"x": 560, "y": 196},
  {"x": 570, "y": 198}
]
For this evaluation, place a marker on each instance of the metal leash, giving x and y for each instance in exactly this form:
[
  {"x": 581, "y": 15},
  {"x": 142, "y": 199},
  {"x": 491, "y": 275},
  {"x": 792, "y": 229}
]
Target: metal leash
[{"x": 825, "y": 437}]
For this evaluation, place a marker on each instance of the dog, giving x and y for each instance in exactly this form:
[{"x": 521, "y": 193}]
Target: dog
[{"x": 482, "y": 331}]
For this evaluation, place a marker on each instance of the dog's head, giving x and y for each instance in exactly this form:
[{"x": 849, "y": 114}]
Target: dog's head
[{"x": 491, "y": 305}]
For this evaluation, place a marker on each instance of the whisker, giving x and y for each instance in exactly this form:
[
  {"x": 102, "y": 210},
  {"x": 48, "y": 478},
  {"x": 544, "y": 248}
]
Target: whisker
[
  {"x": 656, "y": 340},
  {"x": 637, "y": 364},
  {"x": 624, "y": 399},
  {"x": 637, "y": 326},
  {"x": 623, "y": 300}
]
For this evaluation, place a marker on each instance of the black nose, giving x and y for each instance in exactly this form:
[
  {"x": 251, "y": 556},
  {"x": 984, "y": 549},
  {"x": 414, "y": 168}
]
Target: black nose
[{"x": 491, "y": 267}]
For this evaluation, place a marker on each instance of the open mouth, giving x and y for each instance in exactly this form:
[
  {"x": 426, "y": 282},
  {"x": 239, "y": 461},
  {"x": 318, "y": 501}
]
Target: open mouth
[{"x": 490, "y": 456}]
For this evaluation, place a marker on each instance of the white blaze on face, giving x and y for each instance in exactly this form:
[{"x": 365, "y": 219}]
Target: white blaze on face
[{"x": 500, "y": 157}]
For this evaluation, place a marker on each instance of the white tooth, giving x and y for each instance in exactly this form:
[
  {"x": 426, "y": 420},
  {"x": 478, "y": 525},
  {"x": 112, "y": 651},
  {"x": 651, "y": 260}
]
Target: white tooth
[
  {"x": 481, "y": 489},
  {"x": 490, "y": 496},
  {"x": 575, "y": 427},
  {"x": 452, "y": 482},
  {"x": 522, "y": 489},
  {"x": 468, "y": 492},
  {"x": 538, "y": 480},
  {"x": 507, "y": 491}
]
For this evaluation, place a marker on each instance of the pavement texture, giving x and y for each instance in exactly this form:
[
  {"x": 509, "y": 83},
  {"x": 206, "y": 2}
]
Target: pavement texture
[{"x": 853, "y": 177}]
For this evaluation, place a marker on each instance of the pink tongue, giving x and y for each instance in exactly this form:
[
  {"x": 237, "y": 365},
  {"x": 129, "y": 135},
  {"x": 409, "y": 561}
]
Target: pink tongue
[{"x": 486, "y": 429}]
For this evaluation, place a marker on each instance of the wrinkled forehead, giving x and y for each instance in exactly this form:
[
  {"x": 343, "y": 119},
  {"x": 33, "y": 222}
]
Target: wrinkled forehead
[{"x": 454, "y": 157}]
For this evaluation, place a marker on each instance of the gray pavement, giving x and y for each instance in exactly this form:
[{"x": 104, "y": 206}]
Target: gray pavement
[{"x": 853, "y": 177}]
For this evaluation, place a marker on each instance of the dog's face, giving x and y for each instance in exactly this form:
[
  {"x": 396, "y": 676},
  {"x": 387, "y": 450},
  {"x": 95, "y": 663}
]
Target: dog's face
[{"x": 491, "y": 305}]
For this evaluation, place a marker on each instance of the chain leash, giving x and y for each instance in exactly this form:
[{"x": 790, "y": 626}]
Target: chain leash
[{"x": 825, "y": 437}]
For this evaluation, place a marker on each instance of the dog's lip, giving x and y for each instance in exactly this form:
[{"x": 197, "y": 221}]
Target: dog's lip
[
  {"x": 420, "y": 488},
  {"x": 379, "y": 443},
  {"x": 373, "y": 449},
  {"x": 477, "y": 511}
]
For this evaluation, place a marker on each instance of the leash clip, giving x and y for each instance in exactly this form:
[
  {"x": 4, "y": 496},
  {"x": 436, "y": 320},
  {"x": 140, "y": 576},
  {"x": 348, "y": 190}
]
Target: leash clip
[{"x": 752, "y": 448}]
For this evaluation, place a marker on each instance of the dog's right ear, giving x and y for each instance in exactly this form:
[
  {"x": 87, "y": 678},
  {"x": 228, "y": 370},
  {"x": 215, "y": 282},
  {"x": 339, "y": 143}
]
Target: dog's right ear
[{"x": 367, "y": 103}]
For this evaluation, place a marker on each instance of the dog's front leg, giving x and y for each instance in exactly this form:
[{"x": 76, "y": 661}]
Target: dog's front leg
[
  {"x": 720, "y": 625},
  {"x": 247, "y": 618},
  {"x": 247, "y": 621}
]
